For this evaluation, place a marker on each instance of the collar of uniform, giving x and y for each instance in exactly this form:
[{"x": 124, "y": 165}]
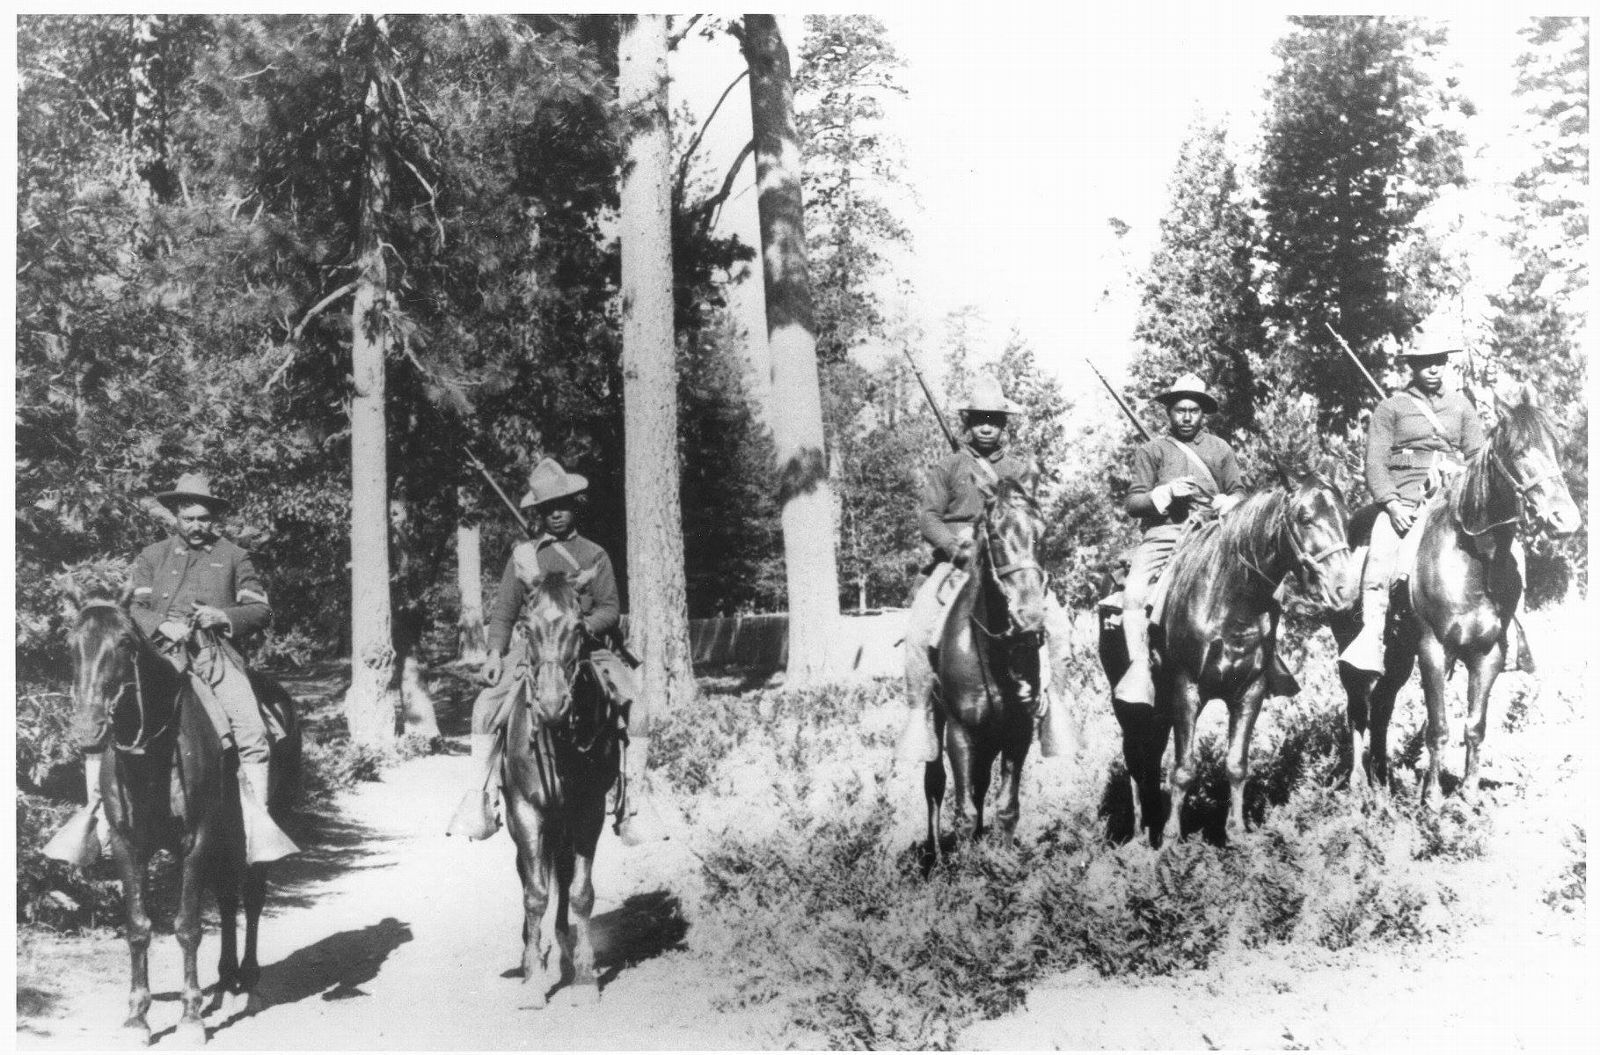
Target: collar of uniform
[
  {"x": 1198, "y": 437},
  {"x": 999, "y": 452},
  {"x": 1432, "y": 401},
  {"x": 180, "y": 546},
  {"x": 547, "y": 539}
]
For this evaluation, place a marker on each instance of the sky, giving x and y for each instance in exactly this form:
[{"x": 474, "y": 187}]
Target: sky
[{"x": 1025, "y": 132}]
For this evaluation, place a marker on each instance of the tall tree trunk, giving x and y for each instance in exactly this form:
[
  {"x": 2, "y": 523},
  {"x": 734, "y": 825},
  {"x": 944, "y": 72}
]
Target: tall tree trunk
[
  {"x": 473, "y": 644},
  {"x": 804, "y": 492},
  {"x": 371, "y": 706},
  {"x": 410, "y": 620},
  {"x": 659, "y": 620}
]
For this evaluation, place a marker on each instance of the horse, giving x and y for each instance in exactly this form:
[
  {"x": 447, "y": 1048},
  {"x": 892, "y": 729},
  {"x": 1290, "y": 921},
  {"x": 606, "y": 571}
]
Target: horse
[
  {"x": 1217, "y": 636},
  {"x": 166, "y": 783},
  {"x": 988, "y": 664},
  {"x": 562, "y": 756},
  {"x": 1464, "y": 590}
]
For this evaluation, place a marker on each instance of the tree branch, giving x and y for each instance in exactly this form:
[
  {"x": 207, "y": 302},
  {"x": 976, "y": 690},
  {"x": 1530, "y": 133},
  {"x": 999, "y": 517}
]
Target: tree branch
[
  {"x": 677, "y": 38},
  {"x": 294, "y": 335},
  {"x": 694, "y": 144},
  {"x": 713, "y": 207}
]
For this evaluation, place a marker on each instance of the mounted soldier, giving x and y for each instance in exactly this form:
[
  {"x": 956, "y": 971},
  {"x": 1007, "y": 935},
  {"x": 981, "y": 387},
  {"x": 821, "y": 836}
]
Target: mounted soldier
[
  {"x": 954, "y": 495},
  {"x": 556, "y": 496},
  {"x": 1417, "y": 440},
  {"x": 1179, "y": 479},
  {"x": 196, "y": 595}
]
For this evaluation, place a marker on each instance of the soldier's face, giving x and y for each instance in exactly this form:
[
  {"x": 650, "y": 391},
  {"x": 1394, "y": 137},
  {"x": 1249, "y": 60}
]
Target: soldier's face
[
  {"x": 196, "y": 523},
  {"x": 1427, "y": 373},
  {"x": 1185, "y": 417},
  {"x": 986, "y": 430},
  {"x": 559, "y": 517}
]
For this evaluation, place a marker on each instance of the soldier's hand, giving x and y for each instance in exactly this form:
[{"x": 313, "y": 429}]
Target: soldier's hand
[
  {"x": 207, "y": 617},
  {"x": 1400, "y": 514},
  {"x": 174, "y": 631},
  {"x": 963, "y": 554},
  {"x": 493, "y": 668},
  {"x": 1183, "y": 487}
]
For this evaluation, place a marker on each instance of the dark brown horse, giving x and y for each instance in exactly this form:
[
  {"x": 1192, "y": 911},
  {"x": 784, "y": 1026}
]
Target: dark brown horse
[
  {"x": 561, "y": 758},
  {"x": 1464, "y": 589},
  {"x": 988, "y": 664},
  {"x": 1217, "y": 637},
  {"x": 167, "y": 784}
]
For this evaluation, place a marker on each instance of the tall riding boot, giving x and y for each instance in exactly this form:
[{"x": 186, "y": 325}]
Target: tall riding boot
[
  {"x": 263, "y": 840},
  {"x": 1055, "y": 736},
  {"x": 1136, "y": 685},
  {"x": 474, "y": 817},
  {"x": 918, "y": 741},
  {"x": 1365, "y": 653},
  {"x": 85, "y": 836},
  {"x": 642, "y": 820}
]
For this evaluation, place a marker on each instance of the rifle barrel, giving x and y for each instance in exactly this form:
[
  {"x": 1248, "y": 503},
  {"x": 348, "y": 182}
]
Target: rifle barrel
[
  {"x": 933, "y": 404},
  {"x": 1143, "y": 431},
  {"x": 1351, "y": 352},
  {"x": 505, "y": 498}
]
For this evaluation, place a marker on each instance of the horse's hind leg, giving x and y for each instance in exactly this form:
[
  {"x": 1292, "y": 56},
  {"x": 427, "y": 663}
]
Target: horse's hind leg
[
  {"x": 1398, "y": 665},
  {"x": 191, "y": 1029},
  {"x": 585, "y": 839},
  {"x": 255, "y": 897},
  {"x": 227, "y": 939},
  {"x": 933, "y": 788}
]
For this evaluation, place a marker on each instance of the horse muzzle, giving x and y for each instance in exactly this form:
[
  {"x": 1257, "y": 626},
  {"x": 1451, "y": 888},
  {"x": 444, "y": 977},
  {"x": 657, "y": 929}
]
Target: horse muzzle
[{"x": 1560, "y": 520}]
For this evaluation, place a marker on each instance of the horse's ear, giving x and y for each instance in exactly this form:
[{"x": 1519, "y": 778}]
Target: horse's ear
[
  {"x": 1529, "y": 395},
  {"x": 1031, "y": 474}
]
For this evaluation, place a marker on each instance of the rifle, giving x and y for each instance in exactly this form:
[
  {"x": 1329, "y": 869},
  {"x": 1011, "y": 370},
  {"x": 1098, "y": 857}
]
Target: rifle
[
  {"x": 1143, "y": 431},
  {"x": 944, "y": 426},
  {"x": 515, "y": 512},
  {"x": 1352, "y": 354}
]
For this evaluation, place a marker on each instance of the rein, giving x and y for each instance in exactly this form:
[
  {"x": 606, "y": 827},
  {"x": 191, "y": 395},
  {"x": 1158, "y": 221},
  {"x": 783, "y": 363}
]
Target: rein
[
  {"x": 1001, "y": 571},
  {"x": 1494, "y": 461}
]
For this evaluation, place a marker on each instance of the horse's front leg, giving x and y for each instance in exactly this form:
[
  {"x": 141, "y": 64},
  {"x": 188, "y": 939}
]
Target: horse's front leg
[
  {"x": 1006, "y": 818},
  {"x": 131, "y": 866},
  {"x": 1182, "y": 698},
  {"x": 191, "y": 1031},
  {"x": 585, "y": 839},
  {"x": 933, "y": 788},
  {"x": 958, "y": 746},
  {"x": 255, "y": 897},
  {"x": 1482, "y": 670},
  {"x": 1358, "y": 686},
  {"x": 1432, "y": 658},
  {"x": 1242, "y": 714},
  {"x": 536, "y": 866}
]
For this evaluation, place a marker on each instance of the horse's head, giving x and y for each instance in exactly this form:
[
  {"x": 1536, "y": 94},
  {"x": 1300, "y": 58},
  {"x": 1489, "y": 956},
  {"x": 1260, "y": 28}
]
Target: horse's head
[
  {"x": 1008, "y": 541},
  {"x": 105, "y": 644},
  {"x": 1318, "y": 528},
  {"x": 555, "y": 637},
  {"x": 1522, "y": 448}
]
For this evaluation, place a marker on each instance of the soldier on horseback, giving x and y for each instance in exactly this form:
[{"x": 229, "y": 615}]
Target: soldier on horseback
[
  {"x": 555, "y": 497},
  {"x": 1178, "y": 479},
  {"x": 195, "y": 596},
  {"x": 954, "y": 495},
  {"x": 1418, "y": 438}
]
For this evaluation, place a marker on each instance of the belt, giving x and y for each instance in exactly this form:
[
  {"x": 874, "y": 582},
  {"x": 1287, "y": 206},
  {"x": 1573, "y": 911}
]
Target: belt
[{"x": 1415, "y": 459}]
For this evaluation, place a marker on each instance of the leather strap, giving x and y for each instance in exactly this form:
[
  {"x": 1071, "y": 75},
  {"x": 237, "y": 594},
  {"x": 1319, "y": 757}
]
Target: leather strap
[
  {"x": 1194, "y": 460},
  {"x": 1427, "y": 412}
]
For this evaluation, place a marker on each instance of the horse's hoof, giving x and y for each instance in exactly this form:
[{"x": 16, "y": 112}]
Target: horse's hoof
[
  {"x": 533, "y": 997},
  {"x": 190, "y": 1035},
  {"x": 584, "y": 994},
  {"x": 136, "y": 1033}
]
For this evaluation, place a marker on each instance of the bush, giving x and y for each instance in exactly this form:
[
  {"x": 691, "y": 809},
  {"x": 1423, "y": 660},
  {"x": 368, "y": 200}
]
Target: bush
[{"x": 331, "y": 766}]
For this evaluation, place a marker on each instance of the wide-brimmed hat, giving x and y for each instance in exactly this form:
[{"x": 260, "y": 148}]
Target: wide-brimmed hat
[
  {"x": 1189, "y": 386},
  {"x": 988, "y": 398},
  {"x": 1444, "y": 340},
  {"x": 193, "y": 487},
  {"x": 548, "y": 482}
]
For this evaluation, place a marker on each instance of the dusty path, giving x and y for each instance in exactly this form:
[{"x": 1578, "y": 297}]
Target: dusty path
[{"x": 390, "y": 935}]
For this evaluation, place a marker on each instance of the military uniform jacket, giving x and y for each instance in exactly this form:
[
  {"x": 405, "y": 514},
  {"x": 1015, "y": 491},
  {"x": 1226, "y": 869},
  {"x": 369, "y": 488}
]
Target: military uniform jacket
[
  {"x": 1403, "y": 446},
  {"x": 170, "y": 577},
  {"x": 952, "y": 494},
  {"x": 597, "y": 599},
  {"x": 1161, "y": 461}
]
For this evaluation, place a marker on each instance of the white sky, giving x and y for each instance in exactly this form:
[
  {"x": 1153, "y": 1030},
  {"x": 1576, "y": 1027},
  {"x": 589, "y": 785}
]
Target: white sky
[{"x": 1024, "y": 134}]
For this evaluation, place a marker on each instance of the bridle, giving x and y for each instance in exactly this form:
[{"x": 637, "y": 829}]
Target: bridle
[
  {"x": 1523, "y": 489},
  {"x": 1001, "y": 572},
  {"x": 142, "y": 739}
]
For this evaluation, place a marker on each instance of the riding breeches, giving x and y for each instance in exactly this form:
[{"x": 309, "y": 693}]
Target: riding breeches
[
  {"x": 1150, "y": 558},
  {"x": 1382, "y": 554},
  {"x": 223, "y": 689},
  {"x": 493, "y": 705}
]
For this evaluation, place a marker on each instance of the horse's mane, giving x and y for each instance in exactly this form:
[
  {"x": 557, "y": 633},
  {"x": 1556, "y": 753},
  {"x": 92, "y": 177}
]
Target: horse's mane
[
  {"x": 1522, "y": 427},
  {"x": 1232, "y": 545},
  {"x": 1007, "y": 491},
  {"x": 554, "y": 588}
]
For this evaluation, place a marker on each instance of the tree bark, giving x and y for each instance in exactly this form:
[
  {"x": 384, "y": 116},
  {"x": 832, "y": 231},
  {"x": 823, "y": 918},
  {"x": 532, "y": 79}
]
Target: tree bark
[
  {"x": 659, "y": 619},
  {"x": 473, "y": 644},
  {"x": 372, "y": 704},
  {"x": 804, "y": 492}
]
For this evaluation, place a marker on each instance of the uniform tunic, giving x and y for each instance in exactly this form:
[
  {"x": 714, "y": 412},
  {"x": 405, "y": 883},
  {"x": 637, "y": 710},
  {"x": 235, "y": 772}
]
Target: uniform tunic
[
  {"x": 1403, "y": 446},
  {"x": 1160, "y": 462},
  {"x": 169, "y": 578},
  {"x": 952, "y": 495}
]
